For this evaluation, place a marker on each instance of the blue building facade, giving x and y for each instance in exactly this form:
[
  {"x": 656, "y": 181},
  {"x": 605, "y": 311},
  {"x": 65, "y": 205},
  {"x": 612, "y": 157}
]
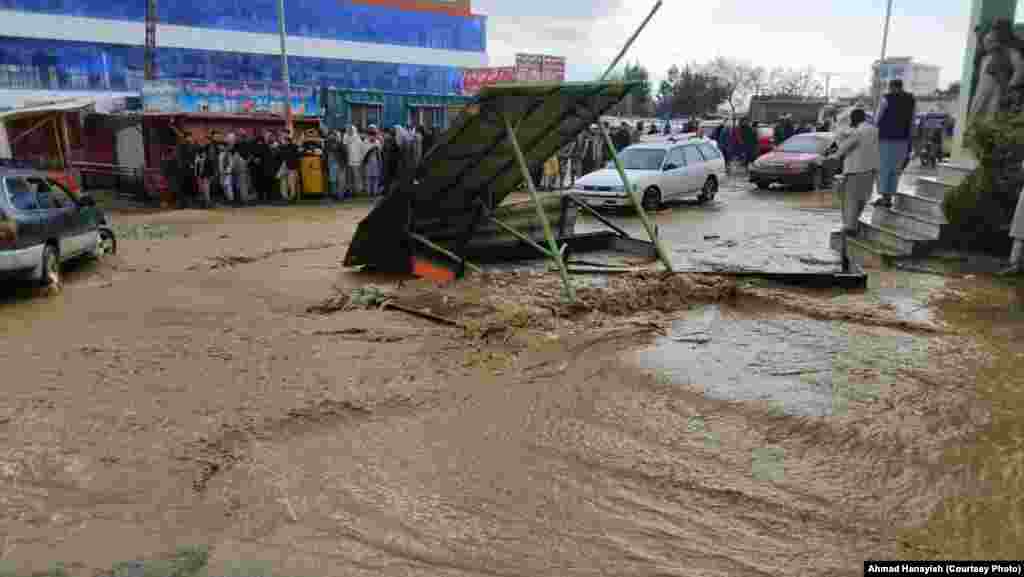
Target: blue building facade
[{"x": 98, "y": 45}]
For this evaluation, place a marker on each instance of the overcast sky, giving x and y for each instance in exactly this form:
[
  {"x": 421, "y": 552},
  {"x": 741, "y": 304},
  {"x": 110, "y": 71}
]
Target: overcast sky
[{"x": 841, "y": 36}]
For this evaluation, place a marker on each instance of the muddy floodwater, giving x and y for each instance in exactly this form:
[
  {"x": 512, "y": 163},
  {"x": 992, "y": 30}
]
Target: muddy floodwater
[
  {"x": 799, "y": 366},
  {"x": 216, "y": 385}
]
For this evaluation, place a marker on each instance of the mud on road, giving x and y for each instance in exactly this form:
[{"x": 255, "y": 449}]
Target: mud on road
[{"x": 210, "y": 386}]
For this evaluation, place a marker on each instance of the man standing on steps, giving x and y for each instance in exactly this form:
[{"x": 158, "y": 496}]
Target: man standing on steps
[
  {"x": 859, "y": 148},
  {"x": 1017, "y": 234},
  {"x": 895, "y": 122}
]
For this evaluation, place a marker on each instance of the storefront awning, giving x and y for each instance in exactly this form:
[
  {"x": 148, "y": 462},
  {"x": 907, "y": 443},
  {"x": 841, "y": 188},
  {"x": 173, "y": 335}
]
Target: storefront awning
[{"x": 68, "y": 105}]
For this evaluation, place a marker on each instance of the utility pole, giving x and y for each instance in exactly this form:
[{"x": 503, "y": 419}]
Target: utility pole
[
  {"x": 284, "y": 67},
  {"x": 149, "y": 74},
  {"x": 150, "y": 51}
]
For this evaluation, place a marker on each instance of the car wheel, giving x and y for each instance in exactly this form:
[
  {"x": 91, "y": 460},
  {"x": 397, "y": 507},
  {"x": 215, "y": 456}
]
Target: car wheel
[
  {"x": 51, "y": 267},
  {"x": 652, "y": 199},
  {"x": 762, "y": 185},
  {"x": 107, "y": 244},
  {"x": 707, "y": 194}
]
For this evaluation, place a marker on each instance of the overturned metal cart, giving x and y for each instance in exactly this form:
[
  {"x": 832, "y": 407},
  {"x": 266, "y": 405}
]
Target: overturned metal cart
[{"x": 449, "y": 212}]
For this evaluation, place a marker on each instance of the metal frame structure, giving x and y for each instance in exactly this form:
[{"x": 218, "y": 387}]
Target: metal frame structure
[
  {"x": 458, "y": 201},
  {"x": 553, "y": 251}
]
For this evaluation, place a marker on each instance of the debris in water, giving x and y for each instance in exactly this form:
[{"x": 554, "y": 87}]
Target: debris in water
[
  {"x": 420, "y": 313},
  {"x": 697, "y": 339}
]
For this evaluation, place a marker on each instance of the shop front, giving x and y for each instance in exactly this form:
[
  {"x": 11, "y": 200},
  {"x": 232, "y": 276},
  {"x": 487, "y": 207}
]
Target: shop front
[{"x": 362, "y": 108}]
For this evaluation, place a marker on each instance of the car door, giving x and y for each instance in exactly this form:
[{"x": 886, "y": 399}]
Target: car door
[
  {"x": 713, "y": 163},
  {"x": 695, "y": 170},
  {"x": 673, "y": 175},
  {"x": 57, "y": 218},
  {"x": 32, "y": 222},
  {"x": 81, "y": 221}
]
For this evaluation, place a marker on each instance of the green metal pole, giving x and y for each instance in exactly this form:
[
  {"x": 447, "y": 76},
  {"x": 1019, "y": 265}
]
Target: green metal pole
[
  {"x": 570, "y": 292},
  {"x": 426, "y": 242},
  {"x": 637, "y": 204},
  {"x": 662, "y": 253},
  {"x": 521, "y": 237}
]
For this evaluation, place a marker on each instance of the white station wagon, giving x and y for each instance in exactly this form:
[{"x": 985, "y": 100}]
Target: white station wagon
[{"x": 660, "y": 171}]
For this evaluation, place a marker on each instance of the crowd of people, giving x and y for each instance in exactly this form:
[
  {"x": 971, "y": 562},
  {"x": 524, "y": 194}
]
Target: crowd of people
[{"x": 239, "y": 168}]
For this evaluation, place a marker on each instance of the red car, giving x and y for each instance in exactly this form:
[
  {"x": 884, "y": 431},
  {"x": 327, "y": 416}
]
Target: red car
[{"x": 802, "y": 160}]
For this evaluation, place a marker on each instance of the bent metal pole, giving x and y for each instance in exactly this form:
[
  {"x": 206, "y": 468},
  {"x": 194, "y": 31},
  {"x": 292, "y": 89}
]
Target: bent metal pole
[
  {"x": 632, "y": 39},
  {"x": 555, "y": 254},
  {"x": 637, "y": 203},
  {"x": 881, "y": 60}
]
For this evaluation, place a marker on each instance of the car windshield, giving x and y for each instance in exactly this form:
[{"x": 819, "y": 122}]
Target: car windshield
[
  {"x": 640, "y": 159},
  {"x": 803, "y": 144}
]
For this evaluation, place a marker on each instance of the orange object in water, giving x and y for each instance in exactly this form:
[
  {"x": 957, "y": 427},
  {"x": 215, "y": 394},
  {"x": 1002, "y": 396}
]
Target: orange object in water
[{"x": 428, "y": 270}]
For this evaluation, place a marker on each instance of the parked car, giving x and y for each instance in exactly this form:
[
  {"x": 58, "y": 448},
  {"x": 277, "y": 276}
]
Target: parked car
[
  {"x": 800, "y": 160},
  {"x": 43, "y": 225},
  {"x": 660, "y": 171}
]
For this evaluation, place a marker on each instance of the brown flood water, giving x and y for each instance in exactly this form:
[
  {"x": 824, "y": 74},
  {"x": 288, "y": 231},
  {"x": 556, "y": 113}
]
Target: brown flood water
[
  {"x": 987, "y": 521},
  {"x": 182, "y": 394}
]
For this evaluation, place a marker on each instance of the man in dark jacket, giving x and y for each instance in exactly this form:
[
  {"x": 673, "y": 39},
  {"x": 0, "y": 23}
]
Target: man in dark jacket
[
  {"x": 256, "y": 174},
  {"x": 289, "y": 153},
  {"x": 392, "y": 155},
  {"x": 749, "y": 146},
  {"x": 895, "y": 122},
  {"x": 622, "y": 138},
  {"x": 185, "y": 154}
]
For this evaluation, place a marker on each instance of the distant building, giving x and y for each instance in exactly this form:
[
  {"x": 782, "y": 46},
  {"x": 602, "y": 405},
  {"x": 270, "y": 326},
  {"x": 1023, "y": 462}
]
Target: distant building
[
  {"x": 844, "y": 92},
  {"x": 918, "y": 79},
  {"x": 771, "y": 108}
]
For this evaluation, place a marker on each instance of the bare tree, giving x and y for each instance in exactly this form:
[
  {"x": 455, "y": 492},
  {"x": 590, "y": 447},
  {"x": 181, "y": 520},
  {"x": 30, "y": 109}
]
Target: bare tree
[
  {"x": 740, "y": 80},
  {"x": 794, "y": 82}
]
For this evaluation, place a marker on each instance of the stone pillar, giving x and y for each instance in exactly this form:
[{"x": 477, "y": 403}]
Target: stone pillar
[{"x": 982, "y": 12}]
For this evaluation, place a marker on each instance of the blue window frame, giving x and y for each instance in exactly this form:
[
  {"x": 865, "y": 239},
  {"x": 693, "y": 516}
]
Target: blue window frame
[
  {"x": 318, "y": 18},
  {"x": 64, "y": 65}
]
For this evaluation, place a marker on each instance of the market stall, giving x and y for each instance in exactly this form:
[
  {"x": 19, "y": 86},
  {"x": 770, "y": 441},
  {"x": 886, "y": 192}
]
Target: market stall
[
  {"x": 163, "y": 130},
  {"x": 49, "y": 136}
]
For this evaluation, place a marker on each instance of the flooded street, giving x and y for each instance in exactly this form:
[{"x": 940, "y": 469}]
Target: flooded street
[
  {"x": 777, "y": 230},
  {"x": 195, "y": 390}
]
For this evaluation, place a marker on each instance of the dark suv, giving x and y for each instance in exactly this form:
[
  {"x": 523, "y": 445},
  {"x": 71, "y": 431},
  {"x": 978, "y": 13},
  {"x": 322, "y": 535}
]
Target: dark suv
[{"x": 42, "y": 225}]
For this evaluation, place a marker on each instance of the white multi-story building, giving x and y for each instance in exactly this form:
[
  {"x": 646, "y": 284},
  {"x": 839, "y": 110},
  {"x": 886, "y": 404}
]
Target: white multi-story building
[{"x": 918, "y": 79}]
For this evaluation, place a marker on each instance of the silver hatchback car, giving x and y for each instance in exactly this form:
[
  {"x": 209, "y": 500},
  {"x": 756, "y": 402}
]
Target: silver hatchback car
[{"x": 42, "y": 225}]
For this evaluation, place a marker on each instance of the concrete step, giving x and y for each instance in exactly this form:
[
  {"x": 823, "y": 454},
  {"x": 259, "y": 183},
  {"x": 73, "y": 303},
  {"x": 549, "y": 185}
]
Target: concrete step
[
  {"x": 866, "y": 253},
  {"x": 900, "y": 220},
  {"x": 899, "y": 241},
  {"x": 921, "y": 206},
  {"x": 955, "y": 171},
  {"x": 933, "y": 188}
]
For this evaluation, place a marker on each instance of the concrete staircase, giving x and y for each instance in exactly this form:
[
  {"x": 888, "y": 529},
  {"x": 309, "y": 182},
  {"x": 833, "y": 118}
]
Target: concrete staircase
[{"x": 914, "y": 224}]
